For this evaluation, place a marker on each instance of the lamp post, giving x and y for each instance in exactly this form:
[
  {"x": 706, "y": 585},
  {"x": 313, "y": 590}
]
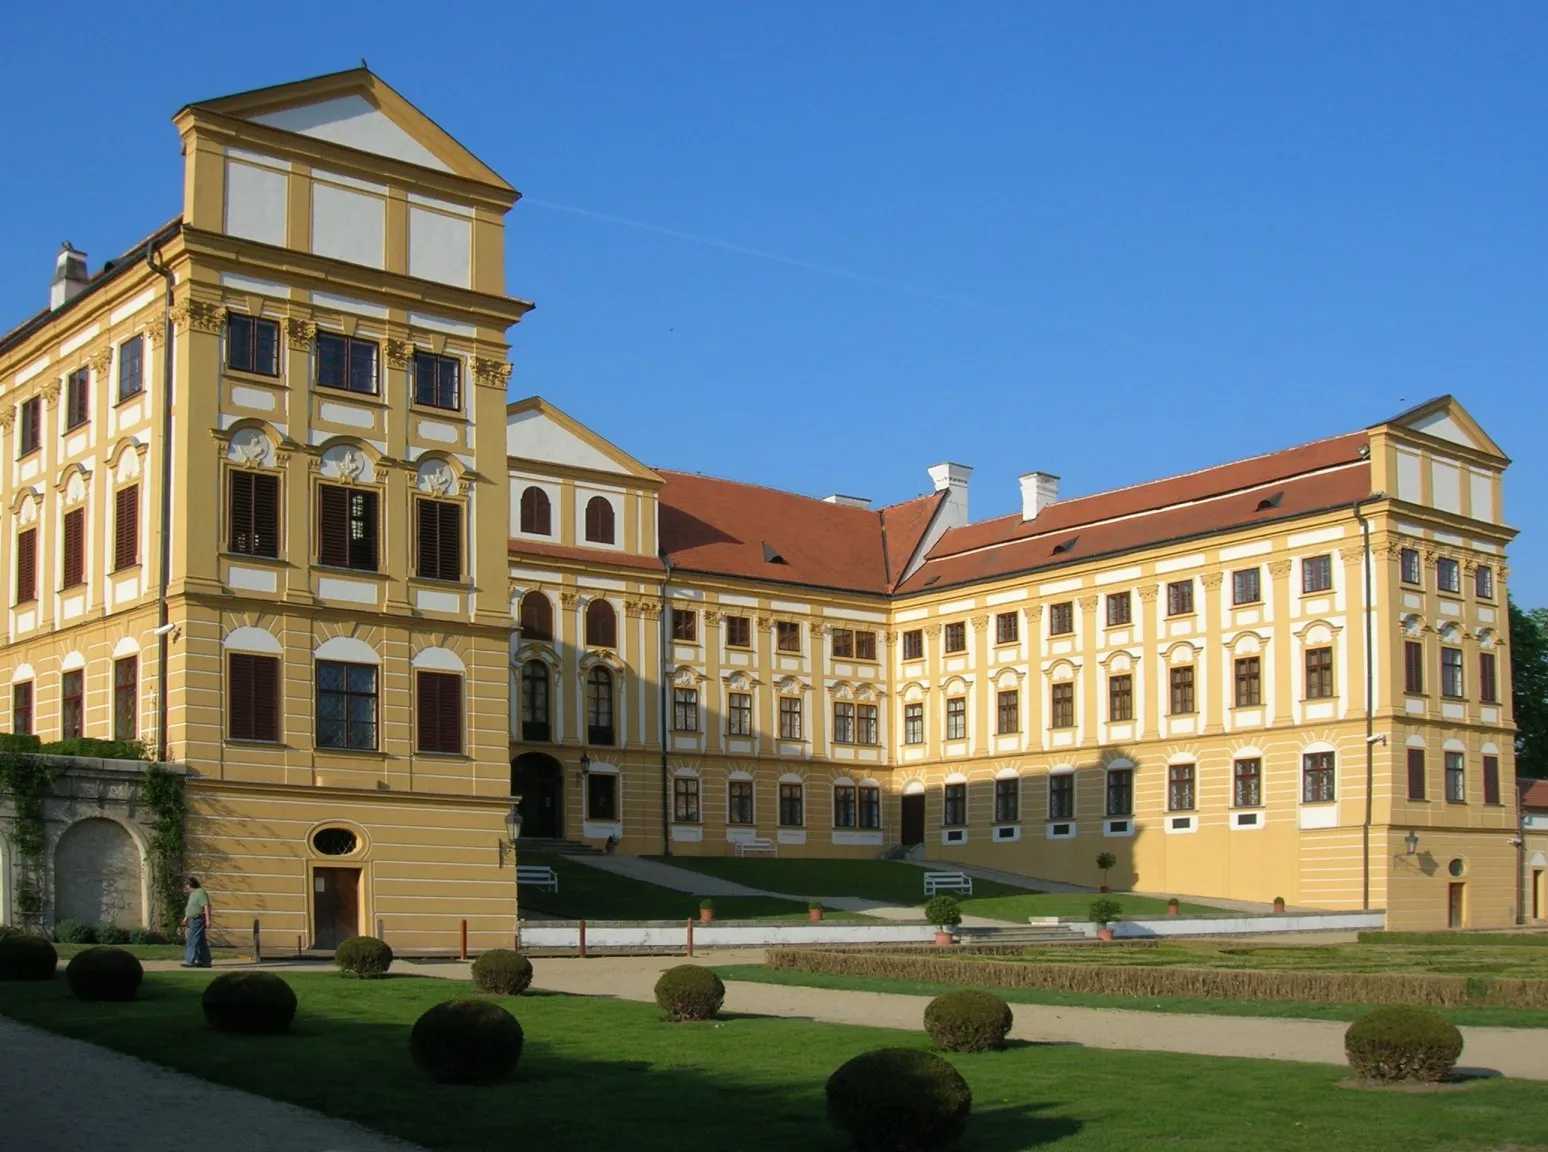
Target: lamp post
[
  {"x": 1411, "y": 842},
  {"x": 508, "y": 845}
]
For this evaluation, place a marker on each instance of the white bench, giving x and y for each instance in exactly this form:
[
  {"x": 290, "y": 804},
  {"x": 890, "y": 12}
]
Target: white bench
[
  {"x": 947, "y": 882},
  {"x": 757, "y": 846},
  {"x": 537, "y": 876}
]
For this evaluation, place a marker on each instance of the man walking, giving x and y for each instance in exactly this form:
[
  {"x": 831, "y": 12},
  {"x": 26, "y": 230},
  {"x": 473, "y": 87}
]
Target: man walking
[{"x": 197, "y": 917}]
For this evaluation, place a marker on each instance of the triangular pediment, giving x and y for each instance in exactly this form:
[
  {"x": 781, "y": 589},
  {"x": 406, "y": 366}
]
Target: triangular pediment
[
  {"x": 1445, "y": 419},
  {"x": 537, "y": 431}
]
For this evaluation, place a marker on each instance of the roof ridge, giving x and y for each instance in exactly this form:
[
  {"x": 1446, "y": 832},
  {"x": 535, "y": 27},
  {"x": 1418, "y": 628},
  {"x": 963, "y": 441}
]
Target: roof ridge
[{"x": 765, "y": 488}]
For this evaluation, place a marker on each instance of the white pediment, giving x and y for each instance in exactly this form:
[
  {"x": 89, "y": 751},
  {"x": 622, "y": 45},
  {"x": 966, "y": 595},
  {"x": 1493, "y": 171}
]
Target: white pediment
[
  {"x": 1443, "y": 425},
  {"x": 354, "y": 122},
  {"x": 533, "y": 435}
]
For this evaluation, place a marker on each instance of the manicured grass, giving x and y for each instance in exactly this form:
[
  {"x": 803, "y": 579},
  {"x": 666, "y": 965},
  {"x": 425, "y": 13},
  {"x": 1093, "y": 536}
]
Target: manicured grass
[
  {"x": 1019, "y": 909},
  {"x": 1482, "y": 1017},
  {"x": 1471, "y": 960},
  {"x": 598, "y": 1071},
  {"x": 1460, "y": 939}
]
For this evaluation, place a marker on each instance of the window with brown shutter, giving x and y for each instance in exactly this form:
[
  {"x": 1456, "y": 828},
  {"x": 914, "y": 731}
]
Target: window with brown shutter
[
  {"x": 1491, "y": 779},
  {"x": 72, "y": 705},
  {"x": 254, "y": 514},
  {"x": 74, "y": 548},
  {"x": 26, "y": 565},
  {"x": 77, "y": 399},
  {"x": 599, "y": 520},
  {"x": 536, "y": 512},
  {"x": 440, "y": 712},
  {"x": 252, "y": 697},
  {"x": 21, "y": 708},
  {"x": 440, "y": 540},
  {"x": 1413, "y": 667},
  {"x": 1416, "y": 773},
  {"x": 126, "y": 528},
  {"x": 346, "y": 528},
  {"x": 31, "y": 435},
  {"x": 537, "y": 617},
  {"x": 1488, "y": 682},
  {"x": 738, "y": 631},
  {"x": 601, "y": 625},
  {"x": 126, "y": 690}
]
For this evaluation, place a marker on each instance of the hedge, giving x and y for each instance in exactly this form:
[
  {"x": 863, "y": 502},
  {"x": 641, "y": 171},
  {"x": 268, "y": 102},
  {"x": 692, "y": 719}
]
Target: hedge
[
  {"x": 1188, "y": 983},
  {"x": 1459, "y": 939}
]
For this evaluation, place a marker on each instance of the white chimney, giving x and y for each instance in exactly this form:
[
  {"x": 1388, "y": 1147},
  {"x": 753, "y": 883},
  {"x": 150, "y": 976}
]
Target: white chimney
[
  {"x": 1038, "y": 491},
  {"x": 69, "y": 277},
  {"x": 953, "y": 480},
  {"x": 848, "y": 501}
]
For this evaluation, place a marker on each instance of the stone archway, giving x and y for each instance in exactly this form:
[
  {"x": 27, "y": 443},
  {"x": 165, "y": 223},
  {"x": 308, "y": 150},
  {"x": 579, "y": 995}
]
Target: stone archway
[
  {"x": 539, "y": 780},
  {"x": 97, "y": 875}
]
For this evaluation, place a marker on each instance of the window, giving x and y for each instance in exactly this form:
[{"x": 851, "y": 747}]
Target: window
[
  {"x": 913, "y": 723},
  {"x": 599, "y": 520},
  {"x": 599, "y": 707},
  {"x": 848, "y": 644},
  {"x": 1319, "y": 673},
  {"x": 537, "y": 617},
  {"x": 1061, "y": 796},
  {"x": 1120, "y": 608},
  {"x": 685, "y": 800},
  {"x": 738, "y": 632},
  {"x": 1120, "y": 792},
  {"x": 1246, "y": 586},
  {"x": 1247, "y": 777},
  {"x": 1007, "y": 628},
  {"x": 1317, "y": 782},
  {"x": 740, "y": 714},
  {"x": 739, "y": 802},
  {"x": 955, "y": 812},
  {"x": 956, "y": 718},
  {"x": 913, "y": 644},
  {"x": 870, "y": 807},
  {"x": 1009, "y": 708},
  {"x": 1316, "y": 573},
  {"x": 346, "y": 363},
  {"x": 789, "y": 718},
  {"x": 1488, "y": 685},
  {"x": 536, "y": 513},
  {"x": 1182, "y": 691},
  {"x": 77, "y": 398},
  {"x": 437, "y": 381},
  {"x": 1483, "y": 582},
  {"x": 1413, "y": 666},
  {"x": 1007, "y": 800},
  {"x": 1409, "y": 570},
  {"x": 254, "y": 529},
  {"x": 1062, "y": 710},
  {"x": 126, "y": 694},
  {"x": 602, "y": 796},
  {"x": 74, "y": 573},
  {"x": 955, "y": 637},
  {"x": 1249, "y": 682},
  {"x": 844, "y": 806},
  {"x": 72, "y": 701},
  {"x": 1451, "y": 673},
  {"x": 1456, "y": 778},
  {"x": 787, "y": 636},
  {"x": 440, "y": 712},
  {"x": 346, "y": 528},
  {"x": 1179, "y": 788},
  {"x": 1061, "y": 619},
  {"x": 685, "y": 625},
  {"x": 601, "y": 625},
  {"x": 1448, "y": 576},
  {"x": 865, "y": 724},
  {"x": 131, "y": 367},
  {"x": 1491, "y": 779},
  {"x": 439, "y": 539},
  {"x": 685, "y": 709},
  {"x": 535, "y": 723},
  {"x": 1179, "y": 598},
  {"x": 26, "y": 565},
  {"x": 346, "y": 705},
  {"x": 843, "y": 723},
  {"x": 790, "y": 806},
  {"x": 1120, "y": 697},
  {"x": 31, "y": 434},
  {"x": 21, "y": 708},
  {"x": 252, "y": 697},
  {"x": 252, "y": 344},
  {"x": 1416, "y": 773}
]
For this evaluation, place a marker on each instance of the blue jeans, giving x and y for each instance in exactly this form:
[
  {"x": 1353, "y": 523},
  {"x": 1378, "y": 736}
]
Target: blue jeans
[{"x": 198, "y": 951}]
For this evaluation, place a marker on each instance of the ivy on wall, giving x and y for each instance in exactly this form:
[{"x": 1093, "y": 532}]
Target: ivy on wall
[
  {"x": 162, "y": 793},
  {"x": 26, "y": 781}
]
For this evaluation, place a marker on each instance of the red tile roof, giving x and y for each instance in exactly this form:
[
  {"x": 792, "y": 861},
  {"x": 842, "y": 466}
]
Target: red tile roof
[{"x": 1534, "y": 793}]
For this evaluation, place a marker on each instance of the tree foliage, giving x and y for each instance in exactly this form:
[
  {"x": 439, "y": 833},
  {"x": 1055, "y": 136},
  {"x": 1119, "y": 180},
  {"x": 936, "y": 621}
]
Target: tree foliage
[{"x": 1529, "y": 687}]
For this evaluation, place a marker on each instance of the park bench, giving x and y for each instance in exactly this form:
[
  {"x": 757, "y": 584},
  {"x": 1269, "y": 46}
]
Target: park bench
[
  {"x": 757, "y": 846},
  {"x": 947, "y": 882},
  {"x": 537, "y": 876}
]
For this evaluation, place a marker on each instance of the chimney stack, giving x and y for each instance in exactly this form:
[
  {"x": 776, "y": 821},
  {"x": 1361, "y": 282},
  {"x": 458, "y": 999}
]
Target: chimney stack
[
  {"x": 953, "y": 480},
  {"x": 1038, "y": 491},
  {"x": 69, "y": 277},
  {"x": 848, "y": 501}
]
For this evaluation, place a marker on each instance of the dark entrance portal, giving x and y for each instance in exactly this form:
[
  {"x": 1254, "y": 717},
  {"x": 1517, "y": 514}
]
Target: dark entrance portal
[
  {"x": 539, "y": 780},
  {"x": 913, "y": 819},
  {"x": 335, "y": 906}
]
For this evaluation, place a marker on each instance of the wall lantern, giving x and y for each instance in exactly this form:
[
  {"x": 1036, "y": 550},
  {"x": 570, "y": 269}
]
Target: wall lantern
[{"x": 1412, "y": 842}]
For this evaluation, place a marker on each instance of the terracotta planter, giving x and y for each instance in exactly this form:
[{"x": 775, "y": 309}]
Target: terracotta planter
[
  {"x": 814, "y": 913},
  {"x": 706, "y": 915},
  {"x": 1105, "y": 934},
  {"x": 942, "y": 938}
]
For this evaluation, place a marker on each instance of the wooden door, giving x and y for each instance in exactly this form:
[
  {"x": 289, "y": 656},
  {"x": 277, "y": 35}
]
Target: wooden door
[
  {"x": 913, "y": 819},
  {"x": 1455, "y": 909},
  {"x": 1537, "y": 894},
  {"x": 335, "y": 906}
]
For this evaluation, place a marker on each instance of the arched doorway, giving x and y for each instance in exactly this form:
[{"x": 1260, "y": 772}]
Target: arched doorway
[
  {"x": 97, "y": 875},
  {"x": 539, "y": 780}
]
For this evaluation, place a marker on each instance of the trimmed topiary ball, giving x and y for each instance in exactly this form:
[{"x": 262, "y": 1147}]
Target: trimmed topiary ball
[
  {"x": 968, "y": 1021},
  {"x": 104, "y": 974},
  {"x": 363, "y": 956},
  {"x": 689, "y": 992},
  {"x": 899, "y": 1100},
  {"x": 252, "y": 1002},
  {"x": 1402, "y": 1042},
  {"x": 503, "y": 972},
  {"x": 466, "y": 1041},
  {"x": 26, "y": 957}
]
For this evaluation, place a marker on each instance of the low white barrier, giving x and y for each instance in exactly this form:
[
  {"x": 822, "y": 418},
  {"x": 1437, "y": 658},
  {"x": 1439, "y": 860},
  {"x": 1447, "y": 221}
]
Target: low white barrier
[
  {"x": 674, "y": 934},
  {"x": 1244, "y": 925}
]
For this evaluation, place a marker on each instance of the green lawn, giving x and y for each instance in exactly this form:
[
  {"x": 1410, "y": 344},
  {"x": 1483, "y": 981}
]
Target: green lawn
[
  {"x": 760, "y": 974},
  {"x": 1459, "y": 939},
  {"x": 1466, "y": 960},
  {"x": 156, "y": 951},
  {"x": 597, "y": 1071}
]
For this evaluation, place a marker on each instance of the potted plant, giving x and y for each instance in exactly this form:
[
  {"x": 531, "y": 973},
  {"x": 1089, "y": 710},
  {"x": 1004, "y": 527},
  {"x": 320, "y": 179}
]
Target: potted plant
[
  {"x": 1173, "y": 908},
  {"x": 706, "y": 911},
  {"x": 945, "y": 913},
  {"x": 1103, "y": 914},
  {"x": 1106, "y": 861},
  {"x": 1279, "y": 905},
  {"x": 814, "y": 911}
]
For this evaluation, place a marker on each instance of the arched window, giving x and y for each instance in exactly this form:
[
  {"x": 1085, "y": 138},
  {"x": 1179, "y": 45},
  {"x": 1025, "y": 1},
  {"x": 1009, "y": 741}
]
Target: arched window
[
  {"x": 534, "y": 701},
  {"x": 601, "y": 625},
  {"x": 537, "y": 617},
  {"x": 535, "y": 512},
  {"x": 599, "y": 707},
  {"x": 599, "y": 520}
]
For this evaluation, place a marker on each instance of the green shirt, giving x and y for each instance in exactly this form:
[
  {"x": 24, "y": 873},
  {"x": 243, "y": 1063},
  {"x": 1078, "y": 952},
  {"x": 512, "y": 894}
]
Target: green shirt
[{"x": 198, "y": 901}]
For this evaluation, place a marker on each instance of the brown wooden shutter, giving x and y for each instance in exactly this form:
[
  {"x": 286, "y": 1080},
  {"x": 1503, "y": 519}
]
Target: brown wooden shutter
[
  {"x": 451, "y": 542},
  {"x": 240, "y": 537},
  {"x": 126, "y": 528},
  {"x": 252, "y": 697},
  {"x": 428, "y": 538},
  {"x": 333, "y": 526},
  {"x": 266, "y": 515},
  {"x": 1491, "y": 779},
  {"x": 1416, "y": 773},
  {"x": 26, "y": 565},
  {"x": 440, "y": 712},
  {"x": 74, "y": 548}
]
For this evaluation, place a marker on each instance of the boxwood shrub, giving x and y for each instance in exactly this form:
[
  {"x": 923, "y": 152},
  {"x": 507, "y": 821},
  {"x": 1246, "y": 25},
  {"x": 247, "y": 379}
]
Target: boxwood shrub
[
  {"x": 502, "y": 971},
  {"x": 1402, "y": 1042},
  {"x": 363, "y": 956},
  {"x": 689, "y": 992},
  {"x": 253, "y": 1002},
  {"x": 899, "y": 1100},
  {"x": 74, "y": 932},
  {"x": 466, "y": 1041},
  {"x": 27, "y": 957},
  {"x": 104, "y": 974},
  {"x": 968, "y": 1021}
]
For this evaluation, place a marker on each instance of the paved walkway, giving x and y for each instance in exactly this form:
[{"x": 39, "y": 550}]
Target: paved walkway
[
  {"x": 1034, "y": 884},
  {"x": 63, "y": 1095}
]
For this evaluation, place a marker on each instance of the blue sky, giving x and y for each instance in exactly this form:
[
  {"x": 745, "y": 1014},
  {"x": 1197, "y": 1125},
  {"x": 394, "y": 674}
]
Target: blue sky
[{"x": 1109, "y": 241}]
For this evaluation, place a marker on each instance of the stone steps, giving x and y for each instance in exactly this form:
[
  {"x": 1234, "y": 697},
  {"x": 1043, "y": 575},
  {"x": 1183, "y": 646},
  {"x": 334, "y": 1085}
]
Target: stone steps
[{"x": 549, "y": 847}]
